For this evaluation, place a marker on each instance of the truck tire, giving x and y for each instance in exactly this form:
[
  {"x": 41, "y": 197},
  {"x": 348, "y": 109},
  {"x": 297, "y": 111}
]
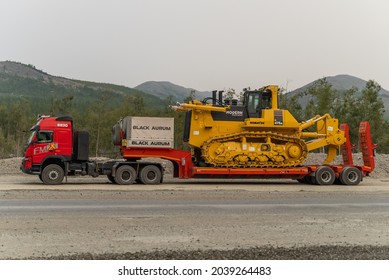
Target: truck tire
[
  {"x": 324, "y": 175},
  {"x": 111, "y": 178},
  {"x": 125, "y": 175},
  {"x": 150, "y": 175},
  {"x": 350, "y": 176},
  {"x": 53, "y": 174}
]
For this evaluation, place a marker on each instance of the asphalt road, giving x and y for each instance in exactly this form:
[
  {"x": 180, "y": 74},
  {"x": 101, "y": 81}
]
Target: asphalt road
[
  {"x": 88, "y": 216},
  {"x": 43, "y": 207}
]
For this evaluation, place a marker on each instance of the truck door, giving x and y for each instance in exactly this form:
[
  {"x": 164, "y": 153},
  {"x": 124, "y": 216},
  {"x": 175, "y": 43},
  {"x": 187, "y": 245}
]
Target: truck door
[
  {"x": 42, "y": 145},
  {"x": 63, "y": 140}
]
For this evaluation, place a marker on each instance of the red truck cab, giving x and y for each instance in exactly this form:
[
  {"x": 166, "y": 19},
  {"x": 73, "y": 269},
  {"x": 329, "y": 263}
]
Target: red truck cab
[
  {"x": 50, "y": 138},
  {"x": 53, "y": 141}
]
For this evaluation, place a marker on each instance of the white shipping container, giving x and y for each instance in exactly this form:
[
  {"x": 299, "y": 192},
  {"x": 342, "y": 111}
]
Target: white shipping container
[{"x": 148, "y": 128}]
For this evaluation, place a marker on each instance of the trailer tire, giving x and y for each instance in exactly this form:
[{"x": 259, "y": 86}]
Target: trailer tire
[
  {"x": 150, "y": 175},
  {"x": 125, "y": 175},
  {"x": 53, "y": 174},
  {"x": 324, "y": 175},
  {"x": 350, "y": 176},
  {"x": 305, "y": 180},
  {"x": 311, "y": 180}
]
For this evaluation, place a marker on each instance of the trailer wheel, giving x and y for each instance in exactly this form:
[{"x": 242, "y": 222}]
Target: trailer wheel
[
  {"x": 52, "y": 174},
  {"x": 304, "y": 180},
  {"x": 307, "y": 179},
  {"x": 150, "y": 175},
  {"x": 311, "y": 179},
  {"x": 324, "y": 175},
  {"x": 125, "y": 175},
  {"x": 350, "y": 176}
]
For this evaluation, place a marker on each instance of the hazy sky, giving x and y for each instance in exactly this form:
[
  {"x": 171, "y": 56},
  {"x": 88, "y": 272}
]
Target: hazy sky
[{"x": 203, "y": 44}]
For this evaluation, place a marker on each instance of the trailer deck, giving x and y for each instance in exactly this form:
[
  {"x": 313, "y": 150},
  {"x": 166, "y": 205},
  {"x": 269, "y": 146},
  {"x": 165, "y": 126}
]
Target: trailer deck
[{"x": 346, "y": 173}]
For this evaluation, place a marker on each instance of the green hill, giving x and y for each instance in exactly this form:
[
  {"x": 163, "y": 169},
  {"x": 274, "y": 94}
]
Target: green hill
[
  {"x": 178, "y": 93},
  {"x": 341, "y": 83},
  {"x": 24, "y": 82}
]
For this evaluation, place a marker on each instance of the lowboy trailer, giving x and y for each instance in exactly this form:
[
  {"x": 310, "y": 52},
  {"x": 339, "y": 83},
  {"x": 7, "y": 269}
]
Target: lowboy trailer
[{"x": 56, "y": 150}]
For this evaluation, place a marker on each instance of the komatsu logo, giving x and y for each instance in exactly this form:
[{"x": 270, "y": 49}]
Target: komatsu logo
[{"x": 235, "y": 113}]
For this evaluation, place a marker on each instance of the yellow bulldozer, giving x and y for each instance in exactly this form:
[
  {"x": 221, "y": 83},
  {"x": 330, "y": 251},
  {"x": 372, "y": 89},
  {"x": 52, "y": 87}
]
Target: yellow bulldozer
[{"x": 256, "y": 133}]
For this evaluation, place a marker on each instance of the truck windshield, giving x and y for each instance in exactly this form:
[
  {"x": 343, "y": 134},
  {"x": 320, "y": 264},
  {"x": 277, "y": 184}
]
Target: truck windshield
[
  {"x": 32, "y": 136},
  {"x": 34, "y": 130}
]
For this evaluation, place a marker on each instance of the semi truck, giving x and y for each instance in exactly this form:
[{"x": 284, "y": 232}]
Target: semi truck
[{"x": 253, "y": 140}]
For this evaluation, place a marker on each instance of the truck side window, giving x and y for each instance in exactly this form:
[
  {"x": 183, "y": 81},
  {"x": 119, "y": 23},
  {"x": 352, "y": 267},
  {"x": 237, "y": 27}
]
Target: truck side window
[{"x": 44, "y": 137}]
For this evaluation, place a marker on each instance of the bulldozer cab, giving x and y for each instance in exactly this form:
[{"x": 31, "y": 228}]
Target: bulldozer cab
[{"x": 257, "y": 100}]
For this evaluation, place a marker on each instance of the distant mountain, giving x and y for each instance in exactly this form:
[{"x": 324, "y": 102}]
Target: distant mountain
[
  {"x": 163, "y": 90},
  {"x": 19, "y": 80},
  {"x": 342, "y": 83}
]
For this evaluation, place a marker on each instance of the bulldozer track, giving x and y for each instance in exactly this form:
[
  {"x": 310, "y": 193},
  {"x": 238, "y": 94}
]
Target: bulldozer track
[{"x": 274, "y": 156}]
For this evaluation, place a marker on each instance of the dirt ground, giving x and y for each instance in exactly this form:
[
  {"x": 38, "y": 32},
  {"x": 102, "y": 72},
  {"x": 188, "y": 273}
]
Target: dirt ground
[{"x": 363, "y": 237}]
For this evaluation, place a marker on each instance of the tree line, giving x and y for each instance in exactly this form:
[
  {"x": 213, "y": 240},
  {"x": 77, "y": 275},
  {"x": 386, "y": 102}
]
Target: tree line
[
  {"x": 351, "y": 106},
  {"x": 98, "y": 117}
]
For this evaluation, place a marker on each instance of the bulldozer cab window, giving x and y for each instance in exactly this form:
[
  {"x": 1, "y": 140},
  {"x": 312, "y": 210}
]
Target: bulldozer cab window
[
  {"x": 266, "y": 100},
  {"x": 257, "y": 101},
  {"x": 253, "y": 104}
]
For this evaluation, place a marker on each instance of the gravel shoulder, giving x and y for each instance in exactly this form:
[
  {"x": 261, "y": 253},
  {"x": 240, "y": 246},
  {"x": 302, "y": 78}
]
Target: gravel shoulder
[{"x": 211, "y": 234}]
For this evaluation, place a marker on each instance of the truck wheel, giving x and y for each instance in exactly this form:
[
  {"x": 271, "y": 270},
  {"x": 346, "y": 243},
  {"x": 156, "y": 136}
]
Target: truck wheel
[
  {"x": 125, "y": 175},
  {"x": 111, "y": 178},
  {"x": 324, "y": 175},
  {"x": 52, "y": 174},
  {"x": 350, "y": 176},
  {"x": 150, "y": 175}
]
